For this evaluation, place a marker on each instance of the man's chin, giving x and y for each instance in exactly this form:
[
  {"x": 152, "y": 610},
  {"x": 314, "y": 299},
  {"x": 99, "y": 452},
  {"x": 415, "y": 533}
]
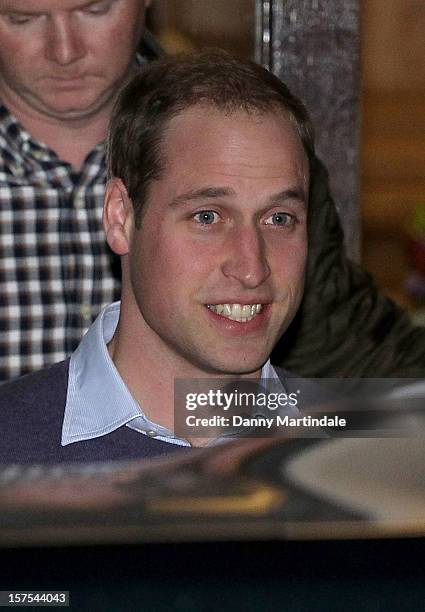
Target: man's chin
[
  {"x": 237, "y": 368},
  {"x": 69, "y": 106}
]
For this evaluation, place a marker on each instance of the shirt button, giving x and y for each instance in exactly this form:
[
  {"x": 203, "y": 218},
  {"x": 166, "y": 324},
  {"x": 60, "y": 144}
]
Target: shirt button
[
  {"x": 151, "y": 433},
  {"x": 85, "y": 310}
]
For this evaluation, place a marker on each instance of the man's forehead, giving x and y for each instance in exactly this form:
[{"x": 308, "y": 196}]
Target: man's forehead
[
  {"x": 210, "y": 119},
  {"x": 217, "y": 166},
  {"x": 255, "y": 142}
]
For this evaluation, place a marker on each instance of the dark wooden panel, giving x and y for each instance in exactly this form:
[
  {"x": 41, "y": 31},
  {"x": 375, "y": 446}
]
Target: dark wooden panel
[{"x": 313, "y": 46}]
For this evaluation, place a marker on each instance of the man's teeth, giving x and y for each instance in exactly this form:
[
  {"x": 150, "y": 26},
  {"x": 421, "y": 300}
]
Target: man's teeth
[{"x": 237, "y": 312}]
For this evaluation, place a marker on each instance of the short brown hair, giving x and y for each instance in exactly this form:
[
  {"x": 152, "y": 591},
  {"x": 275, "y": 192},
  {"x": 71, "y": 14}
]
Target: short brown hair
[{"x": 166, "y": 87}]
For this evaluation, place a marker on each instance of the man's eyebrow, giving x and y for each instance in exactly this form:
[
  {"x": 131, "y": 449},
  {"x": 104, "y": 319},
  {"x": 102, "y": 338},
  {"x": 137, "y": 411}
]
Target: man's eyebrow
[
  {"x": 88, "y": 3},
  {"x": 204, "y": 193},
  {"x": 296, "y": 193},
  {"x": 8, "y": 6}
]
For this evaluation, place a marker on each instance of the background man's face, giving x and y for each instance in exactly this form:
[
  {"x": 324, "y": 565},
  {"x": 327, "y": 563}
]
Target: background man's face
[
  {"x": 66, "y": 58},
  {"x": 224, "y": 225}
]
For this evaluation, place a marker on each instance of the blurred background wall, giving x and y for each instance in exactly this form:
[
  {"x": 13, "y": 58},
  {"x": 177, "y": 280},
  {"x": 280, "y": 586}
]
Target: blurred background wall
[
  {"x": 392, "y": 150},
  {"x": 393, "y": 141}
]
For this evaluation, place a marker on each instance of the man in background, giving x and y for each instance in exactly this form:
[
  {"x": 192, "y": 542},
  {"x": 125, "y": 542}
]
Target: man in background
[{"x": 61, "y": 65}]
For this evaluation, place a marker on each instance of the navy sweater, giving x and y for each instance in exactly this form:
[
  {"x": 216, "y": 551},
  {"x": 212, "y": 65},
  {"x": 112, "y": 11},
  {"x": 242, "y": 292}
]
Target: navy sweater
[{"x": 31, "y": 415}]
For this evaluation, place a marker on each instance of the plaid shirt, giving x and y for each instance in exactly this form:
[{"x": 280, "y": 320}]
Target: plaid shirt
[{"x": 56, "y": 271}]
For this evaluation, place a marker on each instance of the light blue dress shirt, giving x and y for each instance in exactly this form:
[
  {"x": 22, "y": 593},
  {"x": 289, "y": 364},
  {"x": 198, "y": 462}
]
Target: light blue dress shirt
[{"x": 98, "y": 401}]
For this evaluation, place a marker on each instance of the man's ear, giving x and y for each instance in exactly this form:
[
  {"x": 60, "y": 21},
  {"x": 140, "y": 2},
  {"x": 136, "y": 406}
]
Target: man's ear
[{"x": 118, "y": 216}]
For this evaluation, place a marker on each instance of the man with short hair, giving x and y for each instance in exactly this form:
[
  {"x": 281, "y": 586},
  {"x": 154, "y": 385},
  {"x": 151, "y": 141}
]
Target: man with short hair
[
  {"x": 61, "y": 64},
  {"x": 207, "y": 208}
]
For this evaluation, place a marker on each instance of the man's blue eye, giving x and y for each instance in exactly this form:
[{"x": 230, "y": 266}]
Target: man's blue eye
[
  {"x": 206, "y": 217},
  {"x": 280, "y": 218}
]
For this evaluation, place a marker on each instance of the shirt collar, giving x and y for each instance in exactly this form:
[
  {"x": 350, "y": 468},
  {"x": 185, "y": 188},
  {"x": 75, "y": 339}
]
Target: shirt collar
[
  {"x": 16, "y": 133},
  {"x": 98, "y": 401},
  {"x": 39, "y": 157}
]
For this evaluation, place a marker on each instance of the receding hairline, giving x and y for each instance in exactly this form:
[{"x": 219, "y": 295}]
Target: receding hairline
[{"x": 277, "y": 111}]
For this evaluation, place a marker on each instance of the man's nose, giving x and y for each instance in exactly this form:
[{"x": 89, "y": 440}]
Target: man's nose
[
  {"x": 246, "y": 258},
  {"x": 64, "y": 44}
]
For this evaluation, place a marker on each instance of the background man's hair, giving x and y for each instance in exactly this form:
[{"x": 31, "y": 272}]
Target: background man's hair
[{"x": 166, "y": 87}]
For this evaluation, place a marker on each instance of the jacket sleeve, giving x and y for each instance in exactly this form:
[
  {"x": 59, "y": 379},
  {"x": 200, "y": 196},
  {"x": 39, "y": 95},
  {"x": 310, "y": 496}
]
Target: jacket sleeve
[{"x": 345, "y": 326}]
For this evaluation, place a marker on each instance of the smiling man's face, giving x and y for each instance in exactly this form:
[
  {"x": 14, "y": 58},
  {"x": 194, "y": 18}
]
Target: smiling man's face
[{"x": 216, "y": 270}]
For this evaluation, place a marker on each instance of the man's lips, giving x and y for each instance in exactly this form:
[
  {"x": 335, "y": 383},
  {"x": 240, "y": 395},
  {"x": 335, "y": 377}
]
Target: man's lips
[
  {"x": 237, "y": 311},
  {"x": 63, "y": 80},
  {"x": 238, "y": 316},
  {"x": 74, "y": 83}
]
